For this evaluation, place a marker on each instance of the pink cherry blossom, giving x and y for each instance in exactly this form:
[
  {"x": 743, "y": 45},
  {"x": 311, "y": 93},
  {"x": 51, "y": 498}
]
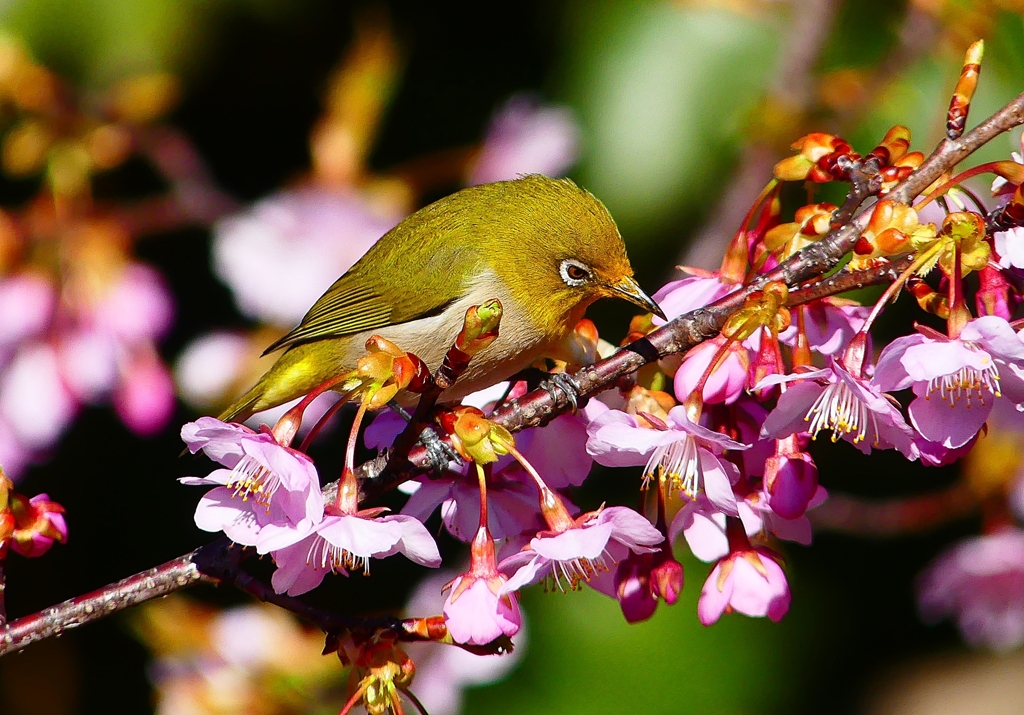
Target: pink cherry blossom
[
  {"x": 727, "y": 382},
  {"x": 686, "y": 451},
  {"x": 526, "y": 137},
  {"x": 263, "y": 485},
  {"x": 979, "y": 582},
  {"x": 956, "y": 380},
  {"x": 853, "y": 409},
  {"x": 790, "y": 481},
  {"x": 511, "y": 502},
  {"x": 557, "y": 450},
  {"x": 340, "y": 543},
  {"x": 442, "y": 674},
  {"x": 281, "y": 254},
  {"x": 642, "y": 579},
  {"x": 579, "y": 553},
  {"x": 478, "y": 608},
  {"x": 829, "y": 325},
  {"x": 476, "y": 615},
  {"x": 759, "y": 518},
  {"x": 749, "y": 581},
  {"x": 1010, "y": 247},
  {"x": 703, "y": 527}
]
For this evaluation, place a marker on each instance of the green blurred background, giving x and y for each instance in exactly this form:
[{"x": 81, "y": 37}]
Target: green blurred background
[{"x": 679, "y": 103}]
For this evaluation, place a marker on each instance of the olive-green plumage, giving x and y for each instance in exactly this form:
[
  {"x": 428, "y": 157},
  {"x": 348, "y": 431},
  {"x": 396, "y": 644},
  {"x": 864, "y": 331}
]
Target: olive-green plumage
[{"x": 543, "y": 247}]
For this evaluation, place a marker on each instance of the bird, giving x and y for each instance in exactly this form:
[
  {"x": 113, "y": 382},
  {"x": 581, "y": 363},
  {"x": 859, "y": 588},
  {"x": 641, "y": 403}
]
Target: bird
[{"x": 545, "y": 248}]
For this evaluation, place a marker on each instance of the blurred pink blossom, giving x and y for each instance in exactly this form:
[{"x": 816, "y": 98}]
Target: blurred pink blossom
[
  {"x": 27, "y": 301},
  {"x": 527, "y": 137},
  {"x": 34, "y": 401},
  {"x": 209, "y": 366},
  {"x": 282, "y": 253},
  {"x": 979, "y": 582},
  {"x": 144, "y": 398}
]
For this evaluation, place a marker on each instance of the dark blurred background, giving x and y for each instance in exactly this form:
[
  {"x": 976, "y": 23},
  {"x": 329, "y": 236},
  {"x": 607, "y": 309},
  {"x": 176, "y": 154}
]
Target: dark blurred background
[{"x": 683, "y": 107}]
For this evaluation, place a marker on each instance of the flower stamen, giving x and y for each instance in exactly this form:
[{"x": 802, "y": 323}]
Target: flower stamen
[
  {"x": 838, "y": 409},
  {"x": 250, "y": 479},
  {"x": 965, "y": 383}
]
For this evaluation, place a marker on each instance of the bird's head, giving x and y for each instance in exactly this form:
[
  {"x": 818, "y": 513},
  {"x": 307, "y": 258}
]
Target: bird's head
[{"x": 562, "y": 251}]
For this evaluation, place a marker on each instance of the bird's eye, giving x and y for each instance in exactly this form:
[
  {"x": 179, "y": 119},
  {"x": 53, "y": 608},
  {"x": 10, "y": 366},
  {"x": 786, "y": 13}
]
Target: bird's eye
[{"x": 573, "y": 272}]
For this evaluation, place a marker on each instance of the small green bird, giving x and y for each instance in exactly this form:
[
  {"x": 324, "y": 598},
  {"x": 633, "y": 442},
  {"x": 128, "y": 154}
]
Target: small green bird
[{"x": 544, "y": 247}]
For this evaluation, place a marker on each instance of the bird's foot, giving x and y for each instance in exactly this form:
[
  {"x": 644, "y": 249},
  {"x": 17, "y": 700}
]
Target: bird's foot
[
  {"x": 439, "y": 453},
  {"x": 567, "y": 385}
]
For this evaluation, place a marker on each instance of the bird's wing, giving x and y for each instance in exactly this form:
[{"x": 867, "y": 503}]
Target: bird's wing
[{"x": 350, "y": 306}]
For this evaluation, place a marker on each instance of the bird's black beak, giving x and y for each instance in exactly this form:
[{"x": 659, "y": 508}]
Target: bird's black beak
[{"x": 631, "y": 291}]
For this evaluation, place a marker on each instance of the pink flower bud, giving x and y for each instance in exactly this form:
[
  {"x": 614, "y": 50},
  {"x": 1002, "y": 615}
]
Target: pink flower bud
[
  {"x": 791, "y": 480},
  {"x": 641, "y": 579},
  {"x": 475, "y": 611}
]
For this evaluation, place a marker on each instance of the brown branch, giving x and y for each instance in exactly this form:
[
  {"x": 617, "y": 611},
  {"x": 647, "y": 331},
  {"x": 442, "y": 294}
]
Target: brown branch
[
  {"x": 154, "y": 583},
  {"x": 862, "y": 517},
  {"x": 532, "y": 409}
]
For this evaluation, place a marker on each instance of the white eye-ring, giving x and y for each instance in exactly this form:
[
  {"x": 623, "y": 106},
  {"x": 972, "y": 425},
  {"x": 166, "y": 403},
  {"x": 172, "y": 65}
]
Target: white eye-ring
[{"x": 573, "y": 272}]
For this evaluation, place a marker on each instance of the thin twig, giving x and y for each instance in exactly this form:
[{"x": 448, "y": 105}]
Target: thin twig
[{"x": 147, "y": 585}]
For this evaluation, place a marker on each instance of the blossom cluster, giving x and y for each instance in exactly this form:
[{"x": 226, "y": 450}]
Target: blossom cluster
[
  {"x": 80, "y": 315},
  {"x": 722, "y": 433}
]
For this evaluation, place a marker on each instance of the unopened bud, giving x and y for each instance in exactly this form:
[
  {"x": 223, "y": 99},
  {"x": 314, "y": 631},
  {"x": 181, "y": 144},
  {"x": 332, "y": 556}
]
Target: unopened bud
[{"x": 480, "y": 327}]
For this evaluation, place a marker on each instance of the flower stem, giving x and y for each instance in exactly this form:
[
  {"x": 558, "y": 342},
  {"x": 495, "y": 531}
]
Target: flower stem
[
  {"x": 347, "y": 500},
  {"x": 481, "y": 477},
  {"x": 320, "y": 423}
]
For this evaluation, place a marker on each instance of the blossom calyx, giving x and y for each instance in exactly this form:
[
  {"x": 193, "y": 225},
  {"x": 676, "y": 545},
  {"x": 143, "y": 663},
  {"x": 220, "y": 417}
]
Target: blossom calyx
[
  {"x": 818, "y": 160},
  {"x": 966, "y": 232},
  {"x": 475, "y": 437},
  {"x": 384, "y": 371},
  {"x": 893, "y": 228},
  {"x": 812, "y": 223},
  {"x": 765, "y": 308},
  {"x": 38, "y": 522}
]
